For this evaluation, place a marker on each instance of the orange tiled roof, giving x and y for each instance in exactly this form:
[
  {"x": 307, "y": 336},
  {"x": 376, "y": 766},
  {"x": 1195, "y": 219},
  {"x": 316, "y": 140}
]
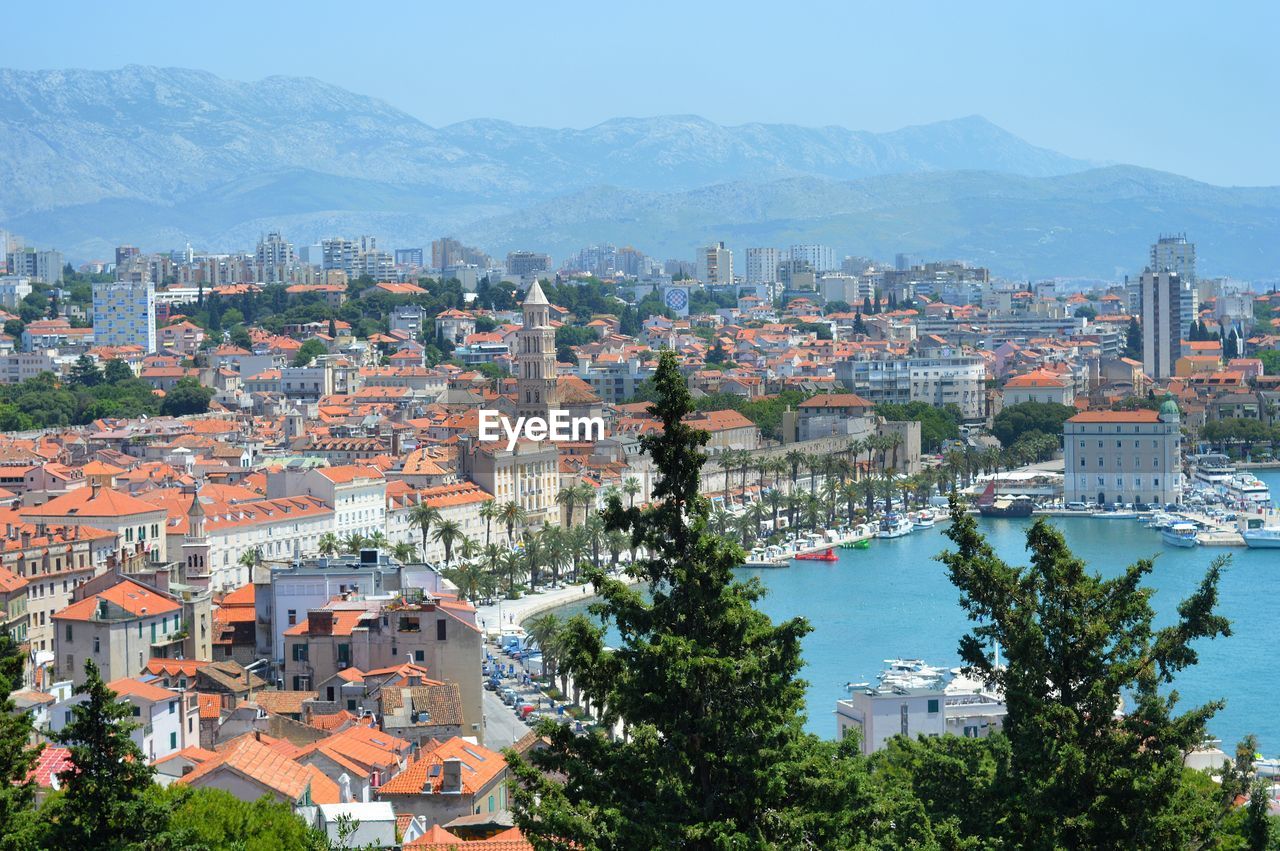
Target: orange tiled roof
[
  {"x": 269, "y": 768},
  {"x": 136, "y": 599}
]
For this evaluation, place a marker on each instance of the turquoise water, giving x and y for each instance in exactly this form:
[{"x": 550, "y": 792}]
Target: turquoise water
[{"x": 894, "y": 600}]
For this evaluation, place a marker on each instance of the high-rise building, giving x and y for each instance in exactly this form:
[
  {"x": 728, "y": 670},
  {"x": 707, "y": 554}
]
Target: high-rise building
[
  {"x": 124, "y": 314},
  {"x": 527, "y": 262},
  {"x": 715, "y": 265},
  {"x": 536, "y": 388},
  {"x": 125, "y": 253},
  {"x": 273, "y": 258},
  {"x": 1162, "y": 296},
  {"x": 411, "y": 257},
  {"x": 43, "y": 266},
  {"x": 821, "y": 258},
  {"x": 1174, "y": 254},
  {"x": 762, "y": 266}
]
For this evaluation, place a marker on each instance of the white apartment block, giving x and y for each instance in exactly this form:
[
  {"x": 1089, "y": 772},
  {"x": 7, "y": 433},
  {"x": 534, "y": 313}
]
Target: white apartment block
[
  {"x": 762, "y": 266},
  {"x": 358, "y": 495},
  {"x": 167, "y": 720},
  {"x": 958, "y": 381},
  {"x": 820, "y": 258},
  {"x": 124, "y": 314},
  {"x": 13, "y": 289},
  {"x": 715, "y": 265}
]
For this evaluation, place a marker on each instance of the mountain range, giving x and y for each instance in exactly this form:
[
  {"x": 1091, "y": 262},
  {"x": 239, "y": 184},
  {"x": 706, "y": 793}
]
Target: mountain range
[{"x": 159, "y": 157}]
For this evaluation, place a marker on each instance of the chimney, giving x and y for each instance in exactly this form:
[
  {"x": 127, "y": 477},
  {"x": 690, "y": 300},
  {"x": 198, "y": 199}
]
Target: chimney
[
  {"x": 451, "y": 777},
  {"x": 320, "y": 622},
  {"x": 94, "y": 487}
]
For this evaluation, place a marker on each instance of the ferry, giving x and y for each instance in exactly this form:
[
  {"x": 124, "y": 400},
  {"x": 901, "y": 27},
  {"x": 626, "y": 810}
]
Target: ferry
[
  {"x": 925, "y": 519},
  {"x": 1180, "y": 535},
  {"x": 894, "y": 526},
  {"x": 1249, "y": 489},
  {"x": 1265, "y": 538},
  {"x": 1213, "y": 469}
]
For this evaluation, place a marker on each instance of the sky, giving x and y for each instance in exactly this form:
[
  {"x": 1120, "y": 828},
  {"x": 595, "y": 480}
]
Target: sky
[{"x": 1191, "y": 88}]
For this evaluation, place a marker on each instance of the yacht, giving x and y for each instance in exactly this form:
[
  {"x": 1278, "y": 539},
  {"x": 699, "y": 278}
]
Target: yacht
[
  {"x": 1265, "y": 538},
  {"x": 1161, "y": 520},
  {"x": 894, "y": 526},
  {"x": 1213, "y": 469},
  {"x": 1249, "y": 489},
  {"x": 925, "y": 519},
  {"x": 1180, "y": 534}
]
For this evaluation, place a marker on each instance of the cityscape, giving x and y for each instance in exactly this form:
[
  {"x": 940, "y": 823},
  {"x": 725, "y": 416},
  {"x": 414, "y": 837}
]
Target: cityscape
[{"x": 625, "y": 487}]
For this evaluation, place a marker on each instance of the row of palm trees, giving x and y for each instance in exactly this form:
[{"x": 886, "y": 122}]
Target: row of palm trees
[{"x": 844, "y": 464}]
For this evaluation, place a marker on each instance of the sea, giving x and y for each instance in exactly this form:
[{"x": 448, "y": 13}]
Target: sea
[{"x": 894, "y": 600}]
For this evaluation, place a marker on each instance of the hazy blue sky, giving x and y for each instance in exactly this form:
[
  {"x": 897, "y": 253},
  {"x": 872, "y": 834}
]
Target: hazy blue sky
[{"x": 1192, "y": 88}]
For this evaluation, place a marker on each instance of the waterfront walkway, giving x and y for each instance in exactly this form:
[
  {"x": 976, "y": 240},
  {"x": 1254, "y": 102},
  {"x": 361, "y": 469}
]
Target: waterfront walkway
[{"x": 511, "y": 614}]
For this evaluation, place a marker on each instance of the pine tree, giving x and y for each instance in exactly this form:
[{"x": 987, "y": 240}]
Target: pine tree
[
  {"x": 1133, "y": 340},
  {"x": 707, "y": 685},
  {"x": 17, "y": 794},
  {"x": 107, "y": 801},
  {"x": 1074, "y": 645}
]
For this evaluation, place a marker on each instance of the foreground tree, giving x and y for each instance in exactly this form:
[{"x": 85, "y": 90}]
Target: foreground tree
[
  {"x": 1075, "y": 773},
  {"x": 106, "y": 800},
  {"x": 17, "y": 794},
  {"x": 706, "y": 684}
]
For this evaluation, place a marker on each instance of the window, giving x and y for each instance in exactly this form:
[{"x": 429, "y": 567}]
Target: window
[
  {"x": 441, "y": 626},
  {"x": 299, "y": 652},
  {"x": 328, "y": 694},
  {"x": 293, "y": 617},
  {"x": 173, "y": 707},
  {"x": 933, "y": 706},
  {"x": 68, "y": 632},
  {"x": 419, "y": 656}
]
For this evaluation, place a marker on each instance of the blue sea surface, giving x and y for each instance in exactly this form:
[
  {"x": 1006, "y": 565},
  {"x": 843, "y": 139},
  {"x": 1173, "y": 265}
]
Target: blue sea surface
[{"x": 894, "y": 600}]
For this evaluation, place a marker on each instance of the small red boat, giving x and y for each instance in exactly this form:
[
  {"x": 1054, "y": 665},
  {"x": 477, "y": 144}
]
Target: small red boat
[{"x": 829, "y": 555}]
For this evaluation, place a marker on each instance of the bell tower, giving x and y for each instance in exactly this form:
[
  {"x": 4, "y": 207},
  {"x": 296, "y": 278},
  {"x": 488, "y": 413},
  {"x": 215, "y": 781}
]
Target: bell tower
[
  {"x": 195, "y": 544},
  {"x": 536, "y": 387}
]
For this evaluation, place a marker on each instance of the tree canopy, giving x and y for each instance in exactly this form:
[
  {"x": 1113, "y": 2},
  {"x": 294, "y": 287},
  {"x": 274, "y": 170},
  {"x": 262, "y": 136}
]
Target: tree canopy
[{"x": 1018, "y": 421}]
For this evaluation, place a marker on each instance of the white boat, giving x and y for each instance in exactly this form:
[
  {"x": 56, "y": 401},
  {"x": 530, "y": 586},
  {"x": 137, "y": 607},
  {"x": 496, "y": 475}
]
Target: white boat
[
  {"x": 925, "y": 519},
  {"x": 1116, "y": 515},
  {"x": 1266, "y": 538},
  {"x": 1249, "y": 489},
  {"x": 1161, "y": 520},
  {"x": 1180, "y": 535},
  {"x": 894, "y": 526},
  {"x": 1213, "y": 469}
]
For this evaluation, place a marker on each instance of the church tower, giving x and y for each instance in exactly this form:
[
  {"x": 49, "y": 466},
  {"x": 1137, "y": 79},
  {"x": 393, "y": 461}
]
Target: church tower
[
  {"x": 195, "y": 544},
  {"x": 537, "y": 393}
]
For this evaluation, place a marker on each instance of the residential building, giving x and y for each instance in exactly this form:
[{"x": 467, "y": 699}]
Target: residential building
[
  {"x": 454, "y": 779},
  {"x": 527, "y": 474},
  {"x": 137, "y": 525},
  {"x": 44, "y": 266},
  {"x": 1040, "y": 385},
  {"x": 817, "y": 258},
  {"x": 1163, "y": 323},
  {"x": 761, "y": 267},
  {"x": 119, "y": 627},
  {"x": 459, "y": 503},
  {"x": 527, "y": 263},
  {"x": 1172, "y": 253},
  {"x": 166, "y": 720},
  {"x": 13, "y": 289},
  {"x": 357, "y": 495},
  {"x": 249, "y": 769},
  {"x": 1123, "y": 456},
  {"x": 958, "y": 380},
  {"x": 409, "y": 258},
  {"x": 124, "y": 314},
  {"x": 715, "y": 265}
]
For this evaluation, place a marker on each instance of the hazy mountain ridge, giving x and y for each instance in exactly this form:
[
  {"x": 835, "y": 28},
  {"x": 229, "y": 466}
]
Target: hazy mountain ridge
[{"x": 159, "y": 157}]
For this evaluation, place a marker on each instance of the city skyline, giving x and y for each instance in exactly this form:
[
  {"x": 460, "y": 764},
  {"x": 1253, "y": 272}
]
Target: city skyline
[{"x": 1034, "y": 72}]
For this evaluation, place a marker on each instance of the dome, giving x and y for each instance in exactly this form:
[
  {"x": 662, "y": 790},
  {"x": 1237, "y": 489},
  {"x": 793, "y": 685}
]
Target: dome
[{"x": 1169, "y": 409}]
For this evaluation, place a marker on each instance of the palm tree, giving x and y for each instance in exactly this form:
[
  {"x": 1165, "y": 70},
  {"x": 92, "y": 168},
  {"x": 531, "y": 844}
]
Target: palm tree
[
  {"x": 631, "y": 487},
  {"x": 469, "y": 577},
  {"x": 594, "y": 529},
  {"x": 576, "y": 546},
  {"x": 775, "y": 500},
  {"x": 491, "y": 557},
  {"x": 488, "y": 513},
  {"x": 545, "y": 631},
  {"x": 554, "y": 548},
  {"x": 868, "y": 485},
  {"x": 795, "y": 460},
  {"x": 250, "y": 558},
  {"x": 795, "y": 501},
  {"x": 468, "y": 548},
  {"x": 894, "y": 440},
  {"x": 615, "y": 542},
  {"x": 720, "y": 520},
  {"x": 533, "y": 556},
  {"x": 405, "y": 552},
  {"x": 328, "y": 544},
  {"x": 511, "y": 565},
  {"x": 378, "y": 540},
  {"x": 447, "y": 534},
  {"x": 849, "y": 493},
  {"x": 423, "y": 516},
  {"x": 814, "y": 464},
  {"x": 750, "y": 523},
  {"x": 511, "y": 515},
  {"x": 353, "y": 543}
]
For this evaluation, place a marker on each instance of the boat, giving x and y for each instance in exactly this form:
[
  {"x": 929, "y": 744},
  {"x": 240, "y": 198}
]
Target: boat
[
  {"x": 1248, "y": 489},
  {"x": 1118, "y": 514},
  {"x": 1181, "y": 534},
  {"x": 1161, "y": 520},
  {"x": 990, "y": 505},
  {"x": 1266, "y": 538},
  {"x": 826, "y": 555},
  {"x": 894, "y": 526},
  {"x": 863, "y": 544},
  {"x": 1212, "y": 469},
  {"x": 925, "y": 519}
]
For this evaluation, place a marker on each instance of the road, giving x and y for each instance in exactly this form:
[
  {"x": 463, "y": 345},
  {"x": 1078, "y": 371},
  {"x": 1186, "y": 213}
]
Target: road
[{"x": 501, "y": 727}]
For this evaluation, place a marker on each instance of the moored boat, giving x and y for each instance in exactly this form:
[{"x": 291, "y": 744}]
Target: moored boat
[
  {"x": 826, "y": 555},
  {"x": 925, "y": 519},
  {"x": 894, "y": 526},
  {"x": 1266, "y": 538},
  {"x": 1180, "y": 534}
]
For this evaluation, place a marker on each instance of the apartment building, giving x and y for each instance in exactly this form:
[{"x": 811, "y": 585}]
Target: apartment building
[
  {"x": 124, "y": 314},
  {"x": 167, "y": 720},
  {"x": 1123, "y": 456}
]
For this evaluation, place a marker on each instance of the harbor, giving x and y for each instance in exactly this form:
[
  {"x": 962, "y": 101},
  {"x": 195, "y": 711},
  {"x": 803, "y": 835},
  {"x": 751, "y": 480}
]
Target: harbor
[{"x": 894, "y": 599}]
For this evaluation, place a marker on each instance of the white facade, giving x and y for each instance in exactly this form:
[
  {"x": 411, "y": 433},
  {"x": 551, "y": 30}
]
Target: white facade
[
  {"x": 13, "y": 289},
  {"x": 820, "y": 258},
  {"x": 124, "y": 314},
  {"x": 358, "y": 495},
  {"x": 960, "y": 708},
  {"x": 167, "y": 721},
  {"x": 715, "y": 265},
  {"x": 762, "y": 266},
  {"x": 1123, "y": 456}
]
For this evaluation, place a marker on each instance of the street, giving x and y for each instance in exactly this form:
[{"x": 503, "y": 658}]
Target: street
[{"x": 501, "y": 727}]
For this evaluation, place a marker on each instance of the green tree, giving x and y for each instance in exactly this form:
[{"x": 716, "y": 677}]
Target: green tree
[
  {"x": 115, "y": 371},
  {"x": 188, "y": 396},
  {"x": 422, "y": 517},
  {"x": 1076, "y": 774},
  {"x": 1133, "y": 340},
  {"x": 447, "y": 534},
  {"x": 106, "y": 801},
  {"x": 1017, "y": 421},
  {"x": 213, "y": 819},
  {"x": 310, "y": 350},
  {"x": 714, "y": 756},
  {"x": 17, "y": 793},
  {"x": 84, "y": 373}
]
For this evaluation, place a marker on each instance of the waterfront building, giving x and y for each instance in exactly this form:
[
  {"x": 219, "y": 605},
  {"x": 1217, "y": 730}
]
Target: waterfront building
[
  {"x": 1123, "y": 456},
  {"x": 124, "y": 314},
  {"x": 913, "y": 700}
]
